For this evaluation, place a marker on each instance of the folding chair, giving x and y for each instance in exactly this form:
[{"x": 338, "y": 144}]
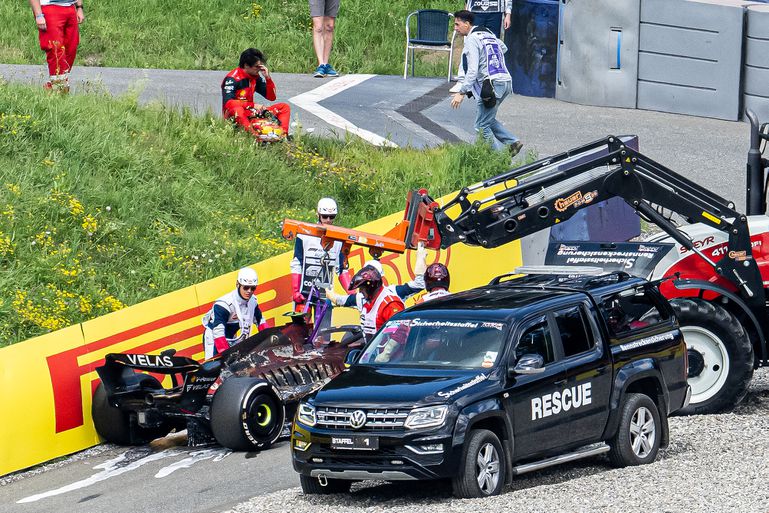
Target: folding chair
[{"x": 432, "y": 33}]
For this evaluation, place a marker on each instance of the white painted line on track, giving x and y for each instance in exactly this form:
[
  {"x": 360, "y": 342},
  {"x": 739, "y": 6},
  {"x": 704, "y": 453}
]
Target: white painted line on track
[{"x": 309, "y": 101}]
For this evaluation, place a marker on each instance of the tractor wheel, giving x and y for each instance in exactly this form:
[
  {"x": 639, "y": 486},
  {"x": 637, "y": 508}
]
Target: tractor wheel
[{"x": 720, "y": 355}]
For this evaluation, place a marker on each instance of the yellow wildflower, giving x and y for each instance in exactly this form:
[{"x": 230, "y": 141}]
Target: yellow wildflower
[
  {"x": 168, "y": 252},
  {"x": 9, "y": 212},
  {"x": 36, "y": 314},
  {"x": 6, "y": 246},
  {"x": 75, "y": 207},
  {"x": 45, "y": 238},
  {"x": 85, "y": 304},
  {"x": 89, "y": 224},
  {"x": 110, "y": 302}
]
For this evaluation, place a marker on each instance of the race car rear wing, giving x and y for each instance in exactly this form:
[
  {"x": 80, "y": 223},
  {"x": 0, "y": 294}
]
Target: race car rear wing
[{"x": 158, "y": 363}]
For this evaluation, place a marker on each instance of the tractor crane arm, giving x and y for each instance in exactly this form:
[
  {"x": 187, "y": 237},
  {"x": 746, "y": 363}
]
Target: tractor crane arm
[{"x": 551, "y": 190}]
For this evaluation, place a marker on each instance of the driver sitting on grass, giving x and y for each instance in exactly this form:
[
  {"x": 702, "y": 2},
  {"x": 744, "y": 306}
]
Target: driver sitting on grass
[{"x": 238, "y": 89}]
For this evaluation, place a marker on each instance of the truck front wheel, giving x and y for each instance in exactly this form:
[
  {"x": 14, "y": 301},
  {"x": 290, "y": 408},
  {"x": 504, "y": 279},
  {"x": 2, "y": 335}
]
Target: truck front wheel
[
  {"x": 720, "y": 355},
  {"x": 482, "y": 470}
]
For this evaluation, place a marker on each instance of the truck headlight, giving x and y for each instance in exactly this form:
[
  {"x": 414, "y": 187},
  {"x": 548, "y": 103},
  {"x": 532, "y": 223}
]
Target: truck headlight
[
  {"x": 306, "y": 414},
  {"x": 431, "y": 416}
]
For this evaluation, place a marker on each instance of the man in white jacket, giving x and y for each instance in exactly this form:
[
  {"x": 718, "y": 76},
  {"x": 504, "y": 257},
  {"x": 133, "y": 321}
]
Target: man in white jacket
[
  {"x": 234, "y": 312},
  {"x": 315, "y": 265},
  {"x": 483, "y": 61},
  {"x": 492, "y": 14}
]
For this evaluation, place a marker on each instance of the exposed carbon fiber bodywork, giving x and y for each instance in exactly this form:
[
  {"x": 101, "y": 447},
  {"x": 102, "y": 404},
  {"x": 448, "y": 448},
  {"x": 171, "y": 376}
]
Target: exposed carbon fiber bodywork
[{"x": 275, "y": 366}]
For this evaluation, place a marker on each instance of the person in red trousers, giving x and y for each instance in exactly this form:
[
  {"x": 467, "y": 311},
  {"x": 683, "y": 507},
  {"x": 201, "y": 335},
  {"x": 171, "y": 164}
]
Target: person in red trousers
[
  {"x": 58, "y": 25},
  {"x": 238, "y": 89}
]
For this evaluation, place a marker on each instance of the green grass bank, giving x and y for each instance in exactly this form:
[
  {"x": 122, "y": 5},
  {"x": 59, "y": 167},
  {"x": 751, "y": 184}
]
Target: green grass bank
[
  {"x": 104, "y": 203},
  {"x": 210, "y": 34}
]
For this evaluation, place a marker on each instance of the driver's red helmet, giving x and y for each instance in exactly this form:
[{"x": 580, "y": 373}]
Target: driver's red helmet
[
  {"x": 437, "y": 276},
  {"x": 368, "y": 280}
]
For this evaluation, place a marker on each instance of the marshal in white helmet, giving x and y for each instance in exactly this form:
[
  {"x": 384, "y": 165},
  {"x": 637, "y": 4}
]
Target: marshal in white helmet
[
  {"x": 233, "y": 315},
  {"x": 313, "y": 264},
  {"x": 327, "y": 207},
  {"x": 247, "y": 276}
]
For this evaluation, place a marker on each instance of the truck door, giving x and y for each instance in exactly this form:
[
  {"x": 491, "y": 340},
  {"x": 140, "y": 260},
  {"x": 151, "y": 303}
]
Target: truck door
[
  {"x": 584, "y": 397},
  {"x": 534, "y": 425}
]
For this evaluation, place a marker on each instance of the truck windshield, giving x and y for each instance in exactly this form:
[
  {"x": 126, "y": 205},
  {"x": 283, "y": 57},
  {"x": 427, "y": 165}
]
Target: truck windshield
[{"x": 436, "y": 343}]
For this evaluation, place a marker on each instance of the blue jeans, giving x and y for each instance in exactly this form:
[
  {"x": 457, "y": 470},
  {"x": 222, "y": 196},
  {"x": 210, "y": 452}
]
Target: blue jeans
[
  {"x": 486, "y": 118},
  {"x": 490, "y": 20}
]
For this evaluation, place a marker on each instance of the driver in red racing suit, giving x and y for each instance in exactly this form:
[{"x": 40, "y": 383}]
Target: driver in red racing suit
[{"x": 238, "y": 92}]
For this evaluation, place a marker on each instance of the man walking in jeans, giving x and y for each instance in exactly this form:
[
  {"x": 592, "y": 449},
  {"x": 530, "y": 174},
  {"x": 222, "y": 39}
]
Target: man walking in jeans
[
  {"x": 483, "y": 61},
  {"x": 492, "y": 14},
  {"x": 323, "y": 13}
]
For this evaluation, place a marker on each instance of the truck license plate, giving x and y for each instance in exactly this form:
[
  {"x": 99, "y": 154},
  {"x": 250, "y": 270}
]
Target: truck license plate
[{"x": 365, "y": 443}]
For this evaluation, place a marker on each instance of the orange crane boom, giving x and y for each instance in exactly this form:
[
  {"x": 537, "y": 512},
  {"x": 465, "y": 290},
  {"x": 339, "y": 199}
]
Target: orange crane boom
[
  {"x": 418, "y": 225},
  {"x": 329, "y": 234}
]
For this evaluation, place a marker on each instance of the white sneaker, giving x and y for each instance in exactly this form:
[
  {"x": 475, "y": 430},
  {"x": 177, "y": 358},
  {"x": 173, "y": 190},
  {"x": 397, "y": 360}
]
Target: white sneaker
[{"x": 455, "y": 88}]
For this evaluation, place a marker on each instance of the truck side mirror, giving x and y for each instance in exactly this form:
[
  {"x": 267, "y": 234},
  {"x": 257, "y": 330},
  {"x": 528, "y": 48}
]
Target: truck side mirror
[
  {"x": 764, "y": 134},
  {"x": 529, "y": 364},
  {"x": 352, "y": 357}
]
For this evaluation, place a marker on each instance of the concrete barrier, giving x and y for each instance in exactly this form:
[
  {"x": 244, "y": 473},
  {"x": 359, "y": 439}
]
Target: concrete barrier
[
  {"x": 756, "y": 68},
  {"x": 598, "y": 52},
  {"x": 690, "y": 56}
]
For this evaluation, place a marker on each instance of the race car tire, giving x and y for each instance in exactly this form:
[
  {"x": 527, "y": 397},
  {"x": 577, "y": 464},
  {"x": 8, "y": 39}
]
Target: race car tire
[
  {"x": 112, "y": 424},
  {"x": 720, "y": 353},
  {"x": 116, "y": 426},
  {"x": 312, "y": 486},
  {"x": 246, "y": 414},
  {"x": 482, "y": 469},
  {"x": 639, "y": 433}
]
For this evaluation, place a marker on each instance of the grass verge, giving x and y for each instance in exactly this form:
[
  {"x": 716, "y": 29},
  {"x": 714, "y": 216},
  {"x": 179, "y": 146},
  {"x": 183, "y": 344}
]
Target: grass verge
[
  {"x": 210, "y": 34},
  {"x": 104, "y": 203}
]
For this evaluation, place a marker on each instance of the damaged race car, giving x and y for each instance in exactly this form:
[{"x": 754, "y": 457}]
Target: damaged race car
[{"x": 241, "y": 398}]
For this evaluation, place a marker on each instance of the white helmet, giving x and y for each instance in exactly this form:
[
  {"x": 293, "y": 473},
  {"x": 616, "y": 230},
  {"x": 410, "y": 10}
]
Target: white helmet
[
  {"x": 327, "y": 206},
  {"x": 247, "y": 276},
  {"x": 376, "y": 265}
]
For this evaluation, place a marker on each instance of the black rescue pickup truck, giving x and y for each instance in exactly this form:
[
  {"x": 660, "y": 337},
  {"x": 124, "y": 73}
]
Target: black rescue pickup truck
[{"x": 483, "y": 385}]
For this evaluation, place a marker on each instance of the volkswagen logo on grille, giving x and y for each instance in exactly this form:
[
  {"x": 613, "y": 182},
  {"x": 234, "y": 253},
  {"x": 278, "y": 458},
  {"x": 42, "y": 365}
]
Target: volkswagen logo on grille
[{"x": 358, "y": 419}]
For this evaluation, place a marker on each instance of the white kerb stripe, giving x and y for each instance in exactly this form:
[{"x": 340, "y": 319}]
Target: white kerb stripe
[{"x": 309, "y": 101}]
